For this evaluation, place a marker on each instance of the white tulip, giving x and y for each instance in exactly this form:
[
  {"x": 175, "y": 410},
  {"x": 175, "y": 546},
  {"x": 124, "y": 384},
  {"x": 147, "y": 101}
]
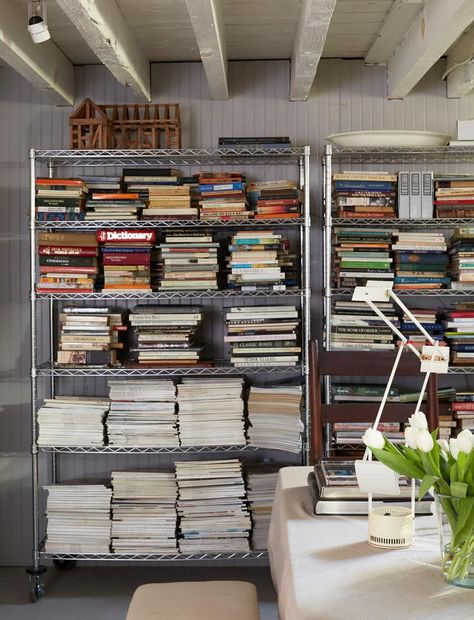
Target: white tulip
[
  {"x": 418, "y": 421},
  {"x": 424, "y": 441},
  {"x": 465, "y": 441},
  {"x": 373, "y": 438},
  {"x": 410, "y": 437},
  {"x": 453, "y": 448},
  {"x": 443, "y": 444}
]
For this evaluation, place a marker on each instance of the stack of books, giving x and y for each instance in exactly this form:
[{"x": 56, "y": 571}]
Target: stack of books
[
  {"x": 103, "y": 184},
  {"x": 350, "y": 433},
  {"x": 366, "y": 194},
  {"x": 274, "y": 199},
  {"x": 366, "y": 393},
  {"x": 72, "y": 421},
  {"x": 261, "y": 485},
  {"x": 260, "y": 260},
  {"x": 212, "y": 506},
  {"x": 454, "y": 196},
  {"x": 211, "y": 412},
  {"x": 67, "y": 262},
  {"x": 263, "y": 335},
  {"x": 188, "y": 261},
  {"x": 105, "y": 206},
  {"x": 362, "y": 254},
  {"x": 275, "y": 418},
  {"x": 126, "y": 258},
  {"x": 144, "y": 512},
  {"x": 253, "y": 142},
  {"x": 459, "y": 333},
  {"x": 60, "y": 200},
  {"x": 222, "y": 196},
  {"x": 462, "y": 408},
  {"x": 461, "y": 252},
  {"x": 89, "y": 336},
  {"x": 430, "y": 271},
  {"x": 429, "y": 320},
  {"x": 354, "y": 326},
  {"x": 142, "y": 413},
  {"x": 78, "y": 518},
  {"x": 165, "y": 335}
]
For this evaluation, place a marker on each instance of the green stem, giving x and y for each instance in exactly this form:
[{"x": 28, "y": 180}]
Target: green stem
[{"x": 460, "y": 560}]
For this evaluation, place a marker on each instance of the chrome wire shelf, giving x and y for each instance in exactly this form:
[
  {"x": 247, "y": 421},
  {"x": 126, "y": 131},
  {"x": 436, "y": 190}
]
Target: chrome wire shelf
[
  {"x": 154, "y": 557},
  {"x": 461, "y": 370},
  {"x": 170, "y": 157},
  {"x": 224, "y": 294},
  {"x": 373, "y": 155},
  {"x": 146, "y": 450},
  {"x": 99, "y": 225},
  {"x": 437, "y": 292},
  {"x": 396, "y": 223}
]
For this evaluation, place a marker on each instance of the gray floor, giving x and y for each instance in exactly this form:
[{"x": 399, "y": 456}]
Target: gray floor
[{"x": 89, "y": 593}]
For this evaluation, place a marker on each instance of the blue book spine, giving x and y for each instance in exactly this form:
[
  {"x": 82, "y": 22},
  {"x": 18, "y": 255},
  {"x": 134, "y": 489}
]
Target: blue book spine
[
  {"x": 109, "y": 250},
  {"x": 216, "y": 187},
  {"x": 365, "y": 185},
  {"x": 430, "y": 327},
  {"x": 414, "y": 280},
  {"x": 466, "y": 348},
  {"x": 427, "y": 259}
]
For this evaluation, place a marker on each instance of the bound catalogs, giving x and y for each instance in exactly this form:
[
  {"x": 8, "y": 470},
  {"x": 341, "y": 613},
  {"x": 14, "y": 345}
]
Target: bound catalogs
[
  {"x": 212, "y": 506},
  {"x": 261, "y": 485}
]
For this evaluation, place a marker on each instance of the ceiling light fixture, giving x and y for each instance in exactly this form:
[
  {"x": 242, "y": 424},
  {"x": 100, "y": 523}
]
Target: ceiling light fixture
[{"x": 37, "y": 21}]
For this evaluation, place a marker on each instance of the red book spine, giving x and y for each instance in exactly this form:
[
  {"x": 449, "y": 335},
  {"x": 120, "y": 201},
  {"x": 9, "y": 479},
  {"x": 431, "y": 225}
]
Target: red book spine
[
  {"x": 51, "y": 250},
  {"x": 54, "y": 269},
  {"x": 459, "y": 314},
  {"x": 127, "y": 258},
  {"x": 457, "y": 201},
  {"x": 462, "y": 406},
  {"x": 278, "y": 202}
]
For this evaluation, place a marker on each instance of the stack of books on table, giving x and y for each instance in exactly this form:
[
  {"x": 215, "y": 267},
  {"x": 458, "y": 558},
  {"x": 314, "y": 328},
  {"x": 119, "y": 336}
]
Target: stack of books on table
[
  {"x": 274, "y": 199},
  {"x": 428, "y": 270},
  {"x": 166, "y": 334},
  {"x": 60, "y": 199},
  {"x": 144, "y": 512},
  {"x": 429, "y": 320},
  {"x": 67, "y": 262},
  {"x": 275, "y": 418},
  {"x": 211, "y": 412},
  {"x": 126, "y": 258},
  {"x": 261, "y": 485},
  {"x": 263, "y": 335},
  {"x": 459, "y": 333},
  {"x": 72, "y": 421},
  {"x": 254, "y": 142},
  {"x": 362, "y": 254},
  {"x": 454, "y": 196},
  {"x": 142, "y": 413},
  {"x": 260, "y": 260},
  {"x": 90, "y": 336},
  {"x": 461, "y": 252},
  {"x": 78, "y": 518},
  {"x": 355, "y": 326},
  {"x": 363, "y": 195},
  {"x": 462, "y": 407},
  {"x": 222, "y": 197},
  {"x": 188, "y": 261},
  {"x": 105, "y": 206},
  {"x": 212, "y": 506}
]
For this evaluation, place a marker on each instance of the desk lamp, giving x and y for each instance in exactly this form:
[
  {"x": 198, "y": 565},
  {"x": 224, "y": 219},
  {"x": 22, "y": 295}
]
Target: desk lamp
[{"x": 393, "y": 526}]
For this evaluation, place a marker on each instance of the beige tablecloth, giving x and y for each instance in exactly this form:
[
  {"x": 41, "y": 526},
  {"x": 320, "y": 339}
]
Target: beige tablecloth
[{"x": 323, "y": 567}]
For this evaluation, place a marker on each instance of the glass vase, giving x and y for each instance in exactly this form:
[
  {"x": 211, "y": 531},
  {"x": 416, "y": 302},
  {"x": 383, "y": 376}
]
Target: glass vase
[{"x": 455, "y": 520}]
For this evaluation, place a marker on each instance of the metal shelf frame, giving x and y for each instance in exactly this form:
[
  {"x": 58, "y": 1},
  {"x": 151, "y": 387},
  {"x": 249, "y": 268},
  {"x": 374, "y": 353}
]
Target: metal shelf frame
[
  {"x": 71, "y": 163},
  {"x": 435, "y": 292}
]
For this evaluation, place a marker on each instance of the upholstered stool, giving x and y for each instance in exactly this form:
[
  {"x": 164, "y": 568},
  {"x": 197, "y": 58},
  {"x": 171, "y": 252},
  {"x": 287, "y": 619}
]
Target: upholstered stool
[{"x": 195, "y": 600}]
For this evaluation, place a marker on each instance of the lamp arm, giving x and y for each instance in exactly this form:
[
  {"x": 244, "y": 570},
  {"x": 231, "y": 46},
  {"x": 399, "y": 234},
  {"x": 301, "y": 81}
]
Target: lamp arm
[
  {"x": 394, "y": 329},
  {"x": 425, "y": 380},
  {"x": 392, "y": 296}
]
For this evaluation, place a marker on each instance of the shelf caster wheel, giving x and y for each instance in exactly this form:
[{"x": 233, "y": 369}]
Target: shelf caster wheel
[
  {"x": 36, "y": 588},
  {"x": 64, "y": 564}
]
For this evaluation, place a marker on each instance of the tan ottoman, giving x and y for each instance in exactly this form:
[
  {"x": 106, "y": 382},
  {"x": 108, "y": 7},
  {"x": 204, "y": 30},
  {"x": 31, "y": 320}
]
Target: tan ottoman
[{"x": 195, "y": 600}]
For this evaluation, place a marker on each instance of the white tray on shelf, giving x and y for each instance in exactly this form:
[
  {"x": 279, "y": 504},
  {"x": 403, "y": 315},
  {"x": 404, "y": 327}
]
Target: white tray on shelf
[{"x": 389, "y": 138}]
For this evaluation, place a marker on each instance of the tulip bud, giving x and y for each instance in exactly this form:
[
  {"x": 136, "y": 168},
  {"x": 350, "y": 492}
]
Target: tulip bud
[
  {"x": 443, "y": 444},
  {"x": 465, "y": 441},
  {"x": 453, "y": 448},
  {"x": 424, "y": 441},
  {"x": 410, "y": 437},
  {"x": 418, "y": 421},
  {"x": 373, "y": 438}
]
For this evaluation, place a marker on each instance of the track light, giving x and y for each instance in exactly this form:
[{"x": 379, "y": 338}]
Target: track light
[{"x": 37, "y": 21}]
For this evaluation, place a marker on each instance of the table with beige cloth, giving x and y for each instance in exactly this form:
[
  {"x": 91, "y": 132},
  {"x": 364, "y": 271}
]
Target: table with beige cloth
[{"x": 323, "y": 567}]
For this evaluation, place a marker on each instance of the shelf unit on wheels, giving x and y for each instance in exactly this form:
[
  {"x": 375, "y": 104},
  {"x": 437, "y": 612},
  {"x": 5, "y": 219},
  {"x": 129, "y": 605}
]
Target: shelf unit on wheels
[
  {"x": 446, "y": 158},
  {"x": 72, "y": 163}
]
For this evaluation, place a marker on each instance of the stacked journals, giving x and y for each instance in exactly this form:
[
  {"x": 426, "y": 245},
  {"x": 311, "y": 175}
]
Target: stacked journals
[
  {"x": 72, "y": 421},
  {"x": 142, "y": 413},
  {"x": 275, "y": 418},
  {"x": 211, "y": 412},
  {"x": 364, "y": 194},
  {"x": 102, "y": 184},
  {"x": 428, "y": 320},
  {"x": 212, "y": 506},
  {"x": 78, "y": 518},
  {"x": 263, "y": 335},
  {"x": 114, "y": 207},
  {"x": 362, "y": 254},
  {"x": 260, "y": 261},
  {"x": 188, "y": 261},
  {"x": 126, "y": 257},
  {"x": 89, "y": 336},
  {"x": 60, "y": 199},
  {"x": 429, "y": 270},
  {"x": 144, "y": 512},
  {"x": 350, "y": 433},
  {"x": 166, "y": 334},
  {"x": 67, "y": 262},
  {"x": 222, "y": 196},
  {"x": 459, "y": 333},
  {"x": 355, "y": 326},
  {"x": 236, "y": 143},
  {"x": 274, "y": 199},
  {"x": 454, "y": 195},
  {"x": 261, "y": 485},
  {"x": 461, "y": 253},
  {"x": 463, "y": 410},
  {"x": 365, "y": 393}
]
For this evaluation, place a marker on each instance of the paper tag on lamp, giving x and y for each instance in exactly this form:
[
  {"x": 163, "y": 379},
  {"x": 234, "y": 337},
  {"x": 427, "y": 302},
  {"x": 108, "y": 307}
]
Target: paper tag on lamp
[{"x": 375, "y": 477}]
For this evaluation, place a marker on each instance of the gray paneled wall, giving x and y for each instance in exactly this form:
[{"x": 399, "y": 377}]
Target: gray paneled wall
[{"x": 346, "y": 96}]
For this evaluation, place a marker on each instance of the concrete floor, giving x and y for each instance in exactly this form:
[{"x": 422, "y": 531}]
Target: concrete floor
[{"x": 104, "y": 593}]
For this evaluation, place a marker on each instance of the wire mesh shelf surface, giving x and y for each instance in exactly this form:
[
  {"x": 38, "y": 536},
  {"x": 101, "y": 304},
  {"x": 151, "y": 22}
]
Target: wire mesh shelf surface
[
  {"x": 415, "y": 154},
  {"x": 147, "y": 450},
  {"x": 113, "y": 296},
  {"x": 435, "y": 292},
  {"x": 396, "y": 223},
  {"x": 155, "y": 557},
  {"x": 99, "y": 225}
]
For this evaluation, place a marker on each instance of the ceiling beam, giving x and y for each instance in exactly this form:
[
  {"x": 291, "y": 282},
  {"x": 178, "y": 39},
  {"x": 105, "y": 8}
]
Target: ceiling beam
[
  {"x": 311, "y": 32},
  {"x": 208, "y": 25},
  {"x": 436, "y": 28},
  {"x": 394, "y": 28},
  {"x": 104, "y": 29},
  {"x": 460, "y": 66},
  {"x": 43, "y": 64}
]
